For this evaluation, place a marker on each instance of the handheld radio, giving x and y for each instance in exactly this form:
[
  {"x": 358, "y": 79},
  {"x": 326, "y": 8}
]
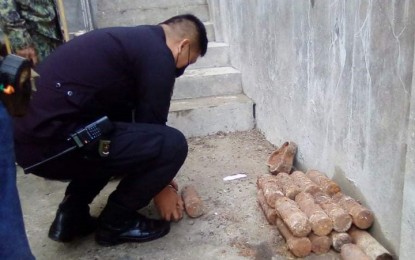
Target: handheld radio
[{"x": 82, "y": 137}]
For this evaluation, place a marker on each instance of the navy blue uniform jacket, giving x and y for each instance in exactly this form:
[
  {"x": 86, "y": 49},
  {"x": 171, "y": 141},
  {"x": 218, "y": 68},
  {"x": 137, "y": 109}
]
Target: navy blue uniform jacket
[{"x": 104, "y": 72}]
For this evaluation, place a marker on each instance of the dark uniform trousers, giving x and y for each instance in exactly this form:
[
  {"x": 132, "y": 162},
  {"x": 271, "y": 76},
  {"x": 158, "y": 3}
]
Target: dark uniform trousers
[{"x": 148, "y": 156}]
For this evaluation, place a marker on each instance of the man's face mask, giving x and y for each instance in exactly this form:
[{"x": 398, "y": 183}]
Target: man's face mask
[{"x": 180, "y": 71}]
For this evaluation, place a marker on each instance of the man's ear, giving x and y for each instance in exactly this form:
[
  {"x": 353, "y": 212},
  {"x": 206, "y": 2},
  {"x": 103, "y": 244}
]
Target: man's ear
[{"x": 183, "y": 43}]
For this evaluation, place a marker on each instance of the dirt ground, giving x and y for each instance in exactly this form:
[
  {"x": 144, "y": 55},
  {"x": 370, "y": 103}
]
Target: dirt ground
[{"x": 233, "y": 226}]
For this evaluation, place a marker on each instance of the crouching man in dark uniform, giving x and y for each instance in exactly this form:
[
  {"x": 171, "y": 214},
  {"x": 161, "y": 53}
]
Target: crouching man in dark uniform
[{"x": 126, "y": 74}]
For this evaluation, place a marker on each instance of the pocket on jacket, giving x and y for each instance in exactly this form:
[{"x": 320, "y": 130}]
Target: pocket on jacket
[{"x": 77, "y": 98}]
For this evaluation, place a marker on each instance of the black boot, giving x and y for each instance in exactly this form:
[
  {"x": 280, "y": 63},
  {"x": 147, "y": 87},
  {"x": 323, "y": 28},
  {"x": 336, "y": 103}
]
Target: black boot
[
  {"x": 118, "y": 224},
  {"x": 72, "y": 220}
]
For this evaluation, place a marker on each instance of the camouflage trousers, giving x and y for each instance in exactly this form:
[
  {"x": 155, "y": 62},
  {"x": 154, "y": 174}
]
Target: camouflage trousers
[{"x": 44, "y": 45}]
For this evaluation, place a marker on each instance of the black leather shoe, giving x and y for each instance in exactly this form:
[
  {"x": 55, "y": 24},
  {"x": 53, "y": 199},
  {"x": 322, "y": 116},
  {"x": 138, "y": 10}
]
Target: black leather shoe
[
  {"x": 118, "y": 224},
  {"x": 139, "y": 229},
  {"x": 70, "y": 224}
]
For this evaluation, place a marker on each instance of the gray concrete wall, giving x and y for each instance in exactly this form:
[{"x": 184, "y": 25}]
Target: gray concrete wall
[
  {"x": 407, "y": 250},
  {"x": 336, "y": 78},
  {"x": 78, "y": 16}
]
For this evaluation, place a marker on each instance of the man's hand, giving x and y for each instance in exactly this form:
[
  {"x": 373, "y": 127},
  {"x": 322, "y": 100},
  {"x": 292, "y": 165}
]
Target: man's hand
[
  {"x": 28, "y": 53},
  {"x": 173, "y": 184},
  {"x": 169, "y": 203}
]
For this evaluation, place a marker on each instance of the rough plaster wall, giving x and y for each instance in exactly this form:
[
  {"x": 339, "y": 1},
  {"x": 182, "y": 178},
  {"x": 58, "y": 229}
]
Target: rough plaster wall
[
  {"x": 74, "y": 16},
  {"x": 407, "y": 250},
  {"x": 335, "y": 77}
]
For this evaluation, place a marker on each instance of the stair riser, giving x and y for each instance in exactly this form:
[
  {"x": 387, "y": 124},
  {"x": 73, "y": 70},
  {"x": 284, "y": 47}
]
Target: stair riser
[
  {"x": 229, "y": 117},
  {"x": 145, "y": 4},
  {"x": 108, "y": 22},
  {"x": 132, "y": 16},
  {"x": 210, "y": 31},
  {"x": 205, "y": 86},
  {"x": 215, "y": 57}
]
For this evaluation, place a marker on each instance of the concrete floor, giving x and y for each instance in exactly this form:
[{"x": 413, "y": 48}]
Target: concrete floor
[{"x": 233, "y": 226}]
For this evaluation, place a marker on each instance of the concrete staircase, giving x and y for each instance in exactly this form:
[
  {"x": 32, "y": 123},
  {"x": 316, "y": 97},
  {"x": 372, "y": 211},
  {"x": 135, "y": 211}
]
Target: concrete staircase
[{"x": 208, "y": 98}]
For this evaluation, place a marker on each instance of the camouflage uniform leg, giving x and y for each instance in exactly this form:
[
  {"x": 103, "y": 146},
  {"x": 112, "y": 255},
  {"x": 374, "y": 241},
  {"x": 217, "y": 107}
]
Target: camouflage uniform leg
[{"x": 44, "y": 45}]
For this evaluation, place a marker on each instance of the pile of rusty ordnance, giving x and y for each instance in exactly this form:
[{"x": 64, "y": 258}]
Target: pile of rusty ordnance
[{"x": 311, "y": 212}]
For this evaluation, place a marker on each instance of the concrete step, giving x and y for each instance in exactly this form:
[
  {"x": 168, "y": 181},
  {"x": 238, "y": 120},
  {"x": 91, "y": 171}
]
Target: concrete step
[
  {"x": 206, "y": 82},
  {"x": 128, "y": 13},
  {"x": 217, "y": 55},
  {"x": 135, "y": 4},
  {"x": 131, "y": 12},
  {"x": 108, "y": 5},
  {"x": 209, "y": 115},
  {"x": 210, "y": 31},
  {"x": 107, "y": 22}
]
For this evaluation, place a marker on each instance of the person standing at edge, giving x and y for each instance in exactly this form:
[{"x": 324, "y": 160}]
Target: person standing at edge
[
  {"x": 13, "y": 242},
  {"x": 32, "y": 27},
  {"x": 112, "y": 72}
]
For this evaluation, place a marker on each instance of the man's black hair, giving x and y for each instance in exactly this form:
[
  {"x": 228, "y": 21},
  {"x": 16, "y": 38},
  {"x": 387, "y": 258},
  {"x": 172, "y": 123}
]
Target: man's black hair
[{"x": 200, "y": 28}]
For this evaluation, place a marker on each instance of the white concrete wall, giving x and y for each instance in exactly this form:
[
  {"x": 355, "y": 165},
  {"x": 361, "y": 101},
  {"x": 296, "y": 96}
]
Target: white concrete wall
[{"x": 336, "y": 78}]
